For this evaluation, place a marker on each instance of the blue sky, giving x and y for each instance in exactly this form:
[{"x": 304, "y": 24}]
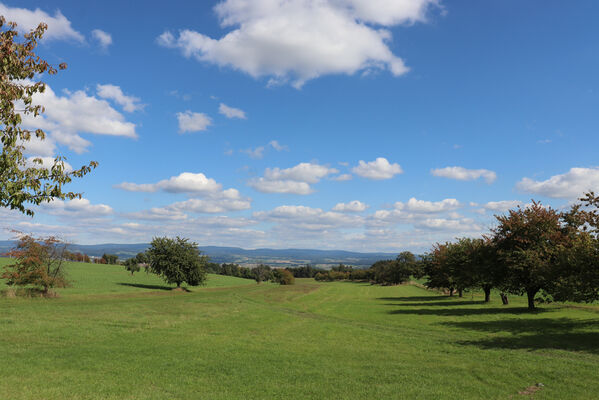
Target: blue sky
[{"x": 349, "y": 124}]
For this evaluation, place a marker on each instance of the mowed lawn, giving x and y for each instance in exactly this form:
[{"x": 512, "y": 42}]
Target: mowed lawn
[{"x": 114, "y": 336}]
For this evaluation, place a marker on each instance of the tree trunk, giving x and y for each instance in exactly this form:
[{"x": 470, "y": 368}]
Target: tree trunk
[
  {"x": 178, "y": 284},
  {"x": 531, "y": 298},
  {"x": 460, "y": 292},
  {"x": 450, "y": 292},
  {"x": 504, "y": 299},
  {"x": 487, "y": 290}
]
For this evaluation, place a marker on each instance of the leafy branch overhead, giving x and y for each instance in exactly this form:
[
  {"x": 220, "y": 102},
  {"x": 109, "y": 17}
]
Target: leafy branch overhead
[{"x": 25, "y": 182}]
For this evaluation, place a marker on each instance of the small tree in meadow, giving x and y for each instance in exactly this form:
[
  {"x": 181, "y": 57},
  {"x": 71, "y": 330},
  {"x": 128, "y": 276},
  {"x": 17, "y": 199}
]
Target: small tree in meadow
[
  {"x": 283, "y": 277},
  {"x": 40, "y": 263},
  {"x": 177, "y": 260}
]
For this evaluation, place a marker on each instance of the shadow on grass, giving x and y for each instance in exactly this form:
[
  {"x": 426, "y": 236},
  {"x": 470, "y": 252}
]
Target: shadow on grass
[
  {"x": 535, "y": 334},
  {"x": 142, "y": 286},
  {"x": 417, "y": 298},
  {"x": 438, "y": 303},
  {"x": 443, "y": 312}
]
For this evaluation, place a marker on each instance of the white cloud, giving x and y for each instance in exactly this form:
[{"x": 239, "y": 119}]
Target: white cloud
[
  {"x": 299, "y": 40},
  {"x": 193, "y": 122},
  {"x": 59, "y": 27},
  {"x": 186, "y": 182},
  {"x": 377, "y": 169},
  {"x": 285, "y": 186},
  {"x": 80, "y": 208},
  {"x": 423, "y": 206},
  {"x": 295, "y": 180},
  {"x": 303, "y": 172},
  {"x": 113, "y": 92},
  {"x": 571, "y": 185},
  {"x": 463, "y": 174},
  {"x": 307, "y": 218},
  {"x": 212, "y": 206},
  {"x": 455, "y": 225},
  {"x": 231, "y": 112},
  {"x": 352, "y": 206},
  {"x": 104, "y": 38},
  {"x": 277, "y": 146},
  {"x": 343, "y": 177},
  {"x": 501, "y": 206},
  {"x": 66, "y": 117}
]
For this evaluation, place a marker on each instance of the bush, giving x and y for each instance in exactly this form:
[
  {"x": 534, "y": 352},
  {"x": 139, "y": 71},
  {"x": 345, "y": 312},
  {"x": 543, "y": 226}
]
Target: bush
[{"x": 283, "y": 277}]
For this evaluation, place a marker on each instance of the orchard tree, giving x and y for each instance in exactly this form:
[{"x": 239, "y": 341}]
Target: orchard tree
[
  {"x": 177, "y": 260},
  {"x": 528, "y": 244},
  {"x": 283, "y": 277},
  {"x": 261, "y": 273},
  {"x": 40, "y": 263},
  {"x": 26, "y": 182}
]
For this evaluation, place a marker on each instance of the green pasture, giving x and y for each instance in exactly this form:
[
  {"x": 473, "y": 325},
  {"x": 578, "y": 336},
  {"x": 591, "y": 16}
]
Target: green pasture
[{"x": 116, "y": 336}]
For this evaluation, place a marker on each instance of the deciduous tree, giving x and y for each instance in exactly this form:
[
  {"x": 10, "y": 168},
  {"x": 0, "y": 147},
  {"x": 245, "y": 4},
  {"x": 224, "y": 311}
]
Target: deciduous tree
[
  {"x": 177, "y": 260},
  {"x": 24, "y": 182}
]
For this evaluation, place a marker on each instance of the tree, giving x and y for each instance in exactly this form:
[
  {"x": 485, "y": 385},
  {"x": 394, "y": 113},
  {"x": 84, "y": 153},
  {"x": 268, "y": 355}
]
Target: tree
[
  {"x": 261, "y": 273},
  {"x": 110, "y": 258},
  {"x": 283, "y": 277},
  {"x": 528, "y": 243},
  {"x": 39, "y": 263},
  {"x": 177, "y": 260},
  {"x": 26, "y": 182}
]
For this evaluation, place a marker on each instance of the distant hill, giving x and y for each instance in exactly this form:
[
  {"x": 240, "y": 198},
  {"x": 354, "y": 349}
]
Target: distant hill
[{"x": 217, "y": 254}]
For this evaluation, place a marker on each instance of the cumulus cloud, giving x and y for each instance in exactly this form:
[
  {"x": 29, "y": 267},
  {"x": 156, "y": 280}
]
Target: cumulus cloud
[
  {"x": 59, "y": 27},
  {"x": 186, "y": 182},
  {"x": 299, "y": 40},
  {"x": 231, "y": 112},
  {"x": 570, "y": 185},
  {"x": 80, "y": 208},
  {"x": 104, "y": 39},
  {"x": 352, "y": 206},
  {"x": 68, "y": 116},
  {"x": 423, "y": 206},
  {"x": 294, "y": 180},
  {"x": 500, "y": 206},
  {"x": 377, "y": 169},
  {"x": 193, "y": 122},
  {"x": 463, "y": 174},
  {"x": 115, "y": 93}
]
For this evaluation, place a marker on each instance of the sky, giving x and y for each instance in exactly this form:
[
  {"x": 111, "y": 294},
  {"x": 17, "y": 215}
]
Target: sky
[{"x": 365, "y": 125}]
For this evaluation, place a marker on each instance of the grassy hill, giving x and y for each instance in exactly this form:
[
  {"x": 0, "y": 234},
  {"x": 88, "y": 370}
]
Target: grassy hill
[{"x": 113, "y": 336}]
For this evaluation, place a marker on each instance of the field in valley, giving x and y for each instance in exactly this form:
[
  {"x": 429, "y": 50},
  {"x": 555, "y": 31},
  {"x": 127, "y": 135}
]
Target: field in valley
[{"x": 116, "y": 336}]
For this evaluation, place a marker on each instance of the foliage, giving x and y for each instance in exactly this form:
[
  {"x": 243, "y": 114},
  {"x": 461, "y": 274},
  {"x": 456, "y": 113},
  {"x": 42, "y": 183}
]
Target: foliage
[
  {"x": 39, "y": 263},
  {"x": 24, "y": 183},
  {"x": 261, "y": 273},
  {"x": 283, "y": 277},
  {"x": 307, "y": 271},
  {"x": 177, "y": 260},
  {"x": 110, "y": 258}
]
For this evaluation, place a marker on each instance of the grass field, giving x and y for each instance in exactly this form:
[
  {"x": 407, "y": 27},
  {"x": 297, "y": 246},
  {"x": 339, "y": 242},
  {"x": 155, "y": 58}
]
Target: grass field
[{"x": 113, "y": 336}]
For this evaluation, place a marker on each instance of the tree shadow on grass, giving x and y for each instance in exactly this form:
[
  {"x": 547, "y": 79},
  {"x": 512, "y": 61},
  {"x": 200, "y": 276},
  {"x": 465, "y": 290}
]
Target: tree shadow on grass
[
  {"x": 444, "y": 312},
  {"x": 438, "y": 303},
  {"x": 417, "y": 298},
  {"x": 535, "y": 334},
  {"x": 142, "y": 286}
]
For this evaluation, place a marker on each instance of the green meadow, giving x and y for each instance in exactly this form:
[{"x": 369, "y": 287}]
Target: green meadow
[{"x": 116, "y": 336}]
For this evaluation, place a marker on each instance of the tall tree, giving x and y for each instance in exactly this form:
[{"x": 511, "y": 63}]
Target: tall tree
[
  {"x": 24, "y": 183},
  {"x": 528, "y": 243}
]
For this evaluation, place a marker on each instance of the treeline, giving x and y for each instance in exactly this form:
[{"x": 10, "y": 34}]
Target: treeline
[
  {"x": 533, "y": 250},
  {"x": 260, "y": 273}
]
